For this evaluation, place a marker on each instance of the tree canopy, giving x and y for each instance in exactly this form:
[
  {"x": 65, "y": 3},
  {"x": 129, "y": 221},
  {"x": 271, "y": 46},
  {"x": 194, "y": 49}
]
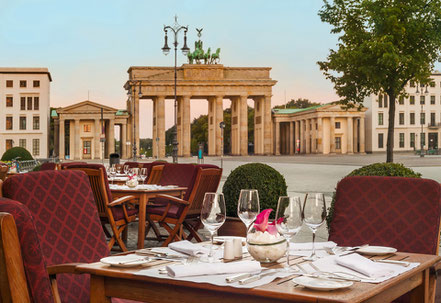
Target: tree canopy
[
  {"x": 297, "y": 103},
  {"x": 383, "y": 44}
]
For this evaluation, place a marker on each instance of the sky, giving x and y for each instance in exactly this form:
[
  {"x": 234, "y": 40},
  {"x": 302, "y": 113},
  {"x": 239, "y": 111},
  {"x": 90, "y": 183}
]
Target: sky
[{"x": 88, "y": 46}]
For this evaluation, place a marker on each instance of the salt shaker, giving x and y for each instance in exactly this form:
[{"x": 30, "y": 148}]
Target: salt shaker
[
  {"x": 229, "y": 250},
  {"x": 237, "y": 243}
]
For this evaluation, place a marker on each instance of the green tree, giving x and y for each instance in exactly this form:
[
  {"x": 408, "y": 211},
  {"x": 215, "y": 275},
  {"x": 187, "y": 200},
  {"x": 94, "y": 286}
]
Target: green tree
[
  {"x": 298, "y": 103},
  {"x": 383, "y": 44}
]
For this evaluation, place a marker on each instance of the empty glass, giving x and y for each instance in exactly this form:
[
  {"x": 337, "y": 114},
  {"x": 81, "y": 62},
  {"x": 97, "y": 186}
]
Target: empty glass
[
  {"x": 126, "y": 169},
  {"x": 248, "y": 206},
  {"x": 112, "y": 173},
  {"x": 314, "y": 214},
  {"x": 288, "y": 220},
  {"x": 213, "y": 215},
  {"x": 143, "y": 174}
]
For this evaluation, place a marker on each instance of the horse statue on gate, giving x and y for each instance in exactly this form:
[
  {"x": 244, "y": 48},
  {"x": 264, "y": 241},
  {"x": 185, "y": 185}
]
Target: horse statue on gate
[
  {"x": 198, "y": 54},
  {"x": 215, "y": 58}
]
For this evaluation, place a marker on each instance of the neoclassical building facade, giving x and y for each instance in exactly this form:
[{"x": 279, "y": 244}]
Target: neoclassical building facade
[
  {"x": 81, "y": 134},
  {"x": 213, "y": 83},
  {"x": 323, "y": 129}
]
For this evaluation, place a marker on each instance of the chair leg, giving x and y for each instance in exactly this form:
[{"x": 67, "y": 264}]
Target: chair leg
[
  {"x": 193, "y": 230},
  {"x": 106, "y": 231},
  {"x": 154, "y": 227},
  {"x": 117, "y": 237},
  {"x": 172, "y": 234}
]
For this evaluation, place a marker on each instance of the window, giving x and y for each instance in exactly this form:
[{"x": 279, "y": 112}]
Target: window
[
  {"x": 22, "y": 103},
  {"x": 432, "y": 83},
  {"x": 36, "y": 147},
  {"x": 380, "y": 140},
  {"x": 22, "y": 123},
  {"x": 401, "y": 118},
  {"x": 337, "y": 125},
  {"x": 22, "y": 143},
  {"x": 36, "y": 123},
  {"x": 412, "y": 100},
  {"x": 8, "y": 123},
  {"x": 380, "y": 118},
  {"x": 432, "y": 119},
  {"x": 86, "y": 128},
  {"x": 29, "y": 103},
  {"x": 401, "y": 100},
  {"x": 401, "y": 140},
  {"x": 9, "y": 83},
  {"x": 36, "y": 83},
  {"x": 23, "y": 83},
  {"x": 380, "y": 101},
  {"x": 337, "y": 142},
  {"x": 412, "y": 118},
  {"x": 412, "y": 140},
  {"x": 422, "y": 99},
  {"x": 385, "y": 101},
  {"x": 412, "y": 83},
  {"x": 423, "y": 118},
  {"x": 432, "y": 99},
  {"x": 36, "y": 103},
  {"x": 423, "y": 139},
  {"x": 9, "y": 144},
  {"x": 9, "y": 101}
]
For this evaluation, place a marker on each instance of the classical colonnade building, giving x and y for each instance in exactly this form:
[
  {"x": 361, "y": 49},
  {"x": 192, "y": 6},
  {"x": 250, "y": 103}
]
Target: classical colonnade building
[
  {"x": 213, "y": 83},
  {"x": 79, "y": 131},
  {"x": 321, "y": 129}
]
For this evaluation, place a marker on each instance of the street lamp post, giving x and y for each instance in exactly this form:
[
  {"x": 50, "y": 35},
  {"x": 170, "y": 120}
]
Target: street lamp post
[
  {"x": 175, "y": 29},
  {"x": 222, "y": 126},
  {"x": 132, "y": 90},
  {"x": 426, "y": 91}
]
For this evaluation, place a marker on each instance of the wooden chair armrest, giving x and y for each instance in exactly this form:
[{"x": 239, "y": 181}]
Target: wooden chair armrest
[
  {"x": 121, "y": 200},
  {"x": 174, "y": 200},
  {"x": 67, "y": 268}
]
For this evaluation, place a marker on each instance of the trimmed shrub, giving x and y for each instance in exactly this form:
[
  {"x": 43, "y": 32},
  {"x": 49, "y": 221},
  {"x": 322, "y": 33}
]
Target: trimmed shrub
[
  {"x": 15, "y": 152},
  {"x": 37, "y": 168},
  {"x": 376, "y": 169},
  {"x": 268, "y": 181}
]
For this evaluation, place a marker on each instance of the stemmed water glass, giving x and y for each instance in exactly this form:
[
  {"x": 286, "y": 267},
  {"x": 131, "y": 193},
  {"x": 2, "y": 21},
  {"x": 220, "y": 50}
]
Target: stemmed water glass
[
  {"x": 112, "y": 173},
  {"x": 126, "y": 169},
  {"x": 213, "y": 215},
  {"x": 314, "y": 214},
  {"x": 288, "y": 220},
  {"x": 248, "y": 206},
  {"x": 143, "y": 174}
]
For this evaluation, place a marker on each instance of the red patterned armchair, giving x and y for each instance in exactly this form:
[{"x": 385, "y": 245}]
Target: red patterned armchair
[
  {"x": 68, "y": 228},
  {"x": 48, "y": 166}
]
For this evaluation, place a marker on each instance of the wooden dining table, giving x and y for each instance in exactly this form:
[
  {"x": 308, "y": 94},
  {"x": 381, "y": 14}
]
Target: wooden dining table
[
  {"x": 107, "y": 282},
  {"x": 142, "y": 197}
]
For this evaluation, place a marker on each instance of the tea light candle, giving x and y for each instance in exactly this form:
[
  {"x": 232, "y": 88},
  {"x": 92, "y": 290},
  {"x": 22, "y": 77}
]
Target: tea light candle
[
  {"x": 237, "y": 243},
  {"x": 228, "y": 250}
]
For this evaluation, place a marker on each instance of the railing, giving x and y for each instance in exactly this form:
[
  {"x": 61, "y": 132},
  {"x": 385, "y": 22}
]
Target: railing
[
  {"x": 434, "y": 125},
  {"x": 27, "y": 165}
]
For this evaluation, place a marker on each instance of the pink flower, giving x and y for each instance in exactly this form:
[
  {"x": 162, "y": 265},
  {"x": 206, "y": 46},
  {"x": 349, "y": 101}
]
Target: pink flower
[
  {"x": 272, "y": 226},
  {"x": 261, "y": 222}
]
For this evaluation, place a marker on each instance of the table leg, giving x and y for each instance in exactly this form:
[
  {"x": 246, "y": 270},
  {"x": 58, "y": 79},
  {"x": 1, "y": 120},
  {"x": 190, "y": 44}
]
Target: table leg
[
  {"x": 141, "y": 222},
  {"x": 421, "y": 293},
  {"x": 98, "y": 290}
]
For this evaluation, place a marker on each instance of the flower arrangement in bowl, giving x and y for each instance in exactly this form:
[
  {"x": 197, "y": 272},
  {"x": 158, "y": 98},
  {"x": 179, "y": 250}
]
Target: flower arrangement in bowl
[
  {"x": 264, "y": 243},
  {"x": 133, "y": 181}
]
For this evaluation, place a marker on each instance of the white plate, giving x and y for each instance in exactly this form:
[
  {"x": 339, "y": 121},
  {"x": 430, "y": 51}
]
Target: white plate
[
  {"x": 321, "y": 284},
  {"x": 124, "y": 261},
  {"x": 376, "y": 250},
  {"x": 224, "y": 238}
]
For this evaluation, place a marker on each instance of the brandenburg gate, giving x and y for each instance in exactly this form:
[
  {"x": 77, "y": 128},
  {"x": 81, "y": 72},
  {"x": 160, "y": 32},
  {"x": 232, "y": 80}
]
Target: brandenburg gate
[{"x": 214, "y": 83}]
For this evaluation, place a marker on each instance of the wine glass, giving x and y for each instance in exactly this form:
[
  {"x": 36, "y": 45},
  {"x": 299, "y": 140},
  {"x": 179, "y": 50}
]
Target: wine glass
[
  {"x": 143, "y": 174},
  {"x": 314, "y": 214},
  {"x": 126, "y": 169},
  {"x": 248, "y": 206},
  {"x": 288, "y": 220},
  {"x": 213, "y": 215},
  {"x": 112, "y": 173}
]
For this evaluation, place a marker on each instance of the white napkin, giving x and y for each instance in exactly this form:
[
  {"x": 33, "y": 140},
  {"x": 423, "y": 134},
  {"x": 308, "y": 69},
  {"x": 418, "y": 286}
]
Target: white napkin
[
  {"x": 201, "y": 269},
  {"x": 308, "y": 245},
  {"x": 364, "y": 266},
  {"x": 188, "y": 248}
]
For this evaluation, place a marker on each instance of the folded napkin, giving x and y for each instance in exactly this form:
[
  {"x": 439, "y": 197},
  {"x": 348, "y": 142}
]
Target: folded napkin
[
  {"x": 308, "y": 245},
  {"x": 364, "y": 266},
  {"x": 201, "y": 269},
  {"x": 189, "y": 248}
]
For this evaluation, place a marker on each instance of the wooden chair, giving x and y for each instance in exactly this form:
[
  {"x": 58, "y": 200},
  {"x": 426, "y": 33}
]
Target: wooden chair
[
  {"x": 3, "y": 172},
  {"x": 155, "y": 174},
  {"x": 117, "y": 213},
  {"x": 175, "y": 211}
]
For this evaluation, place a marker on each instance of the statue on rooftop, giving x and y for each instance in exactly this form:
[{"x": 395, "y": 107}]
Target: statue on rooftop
[{"x": 199, "y": 54}]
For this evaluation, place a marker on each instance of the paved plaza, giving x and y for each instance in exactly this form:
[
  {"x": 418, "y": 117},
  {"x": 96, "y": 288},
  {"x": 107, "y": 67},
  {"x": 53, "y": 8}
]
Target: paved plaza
[{"x": 313, "y": 173}]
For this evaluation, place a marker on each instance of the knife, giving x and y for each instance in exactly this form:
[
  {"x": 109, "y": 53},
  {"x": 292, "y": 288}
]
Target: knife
[
  {"x": 256, "y": 277},
  {"x": 403, "y": 263}
]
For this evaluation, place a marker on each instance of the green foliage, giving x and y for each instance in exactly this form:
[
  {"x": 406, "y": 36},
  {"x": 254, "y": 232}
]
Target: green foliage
[
  {"x": 382, "y": 45},
  {"x": 268, "y": 181},
  {"x": 37, "y": 168},
  {"x": 376, "y": 169},
  {"x": 15, "y": 152},
  {"x": 299, "y": 103}
]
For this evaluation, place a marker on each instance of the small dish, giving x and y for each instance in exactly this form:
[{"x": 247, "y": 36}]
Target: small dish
[
  {"x": 321, "y": 284},
  {"x": 124, "y": 261},
  {"x": 376, "y": 250}
]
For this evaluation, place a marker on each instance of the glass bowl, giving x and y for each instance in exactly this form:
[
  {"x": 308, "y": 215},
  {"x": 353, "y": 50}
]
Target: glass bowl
[{"x": 264, "y": 247}]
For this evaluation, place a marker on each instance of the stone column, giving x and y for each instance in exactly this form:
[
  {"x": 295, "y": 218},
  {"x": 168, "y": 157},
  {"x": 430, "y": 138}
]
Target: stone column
[
  {"x": 124, "y": 141},
  {"x": 277, "y": 127},
  {"x": 243, "y": 125},
  {"x": 308, "y": 136},
  {"x": 179, "y": 126},
  {"x": 259, "y": 118},
  {"x": 111, "y": 137},
  {"x": 56, "y": 151},
  {"x": 77, "y": 145},
  {"x": 362, "y": 135},
  {"x": 112, "y": 147},
  {"x": 332, "y": 130},
  {"x": 154, "y": 130},
  {"x": 313, "y": 136},
  {"x": 302, "y": 137},
  {"x": 96, "y": 140},
  {"x": 219, "y": 118},
  {"x": 62, "y": 140},
  {"x": 211, "y": 126},
  {"x": 160, "y": 125},
  {"x": 266, "y": 124},
  {"x": 297, "y": 136},
  {"x": 350, "y": 136},
  {"x": 356, "y": 128},
  {"x": 186, "y": 127},
  {"x": 291, "y": 138},
  {"x": 320, "y": 135}
]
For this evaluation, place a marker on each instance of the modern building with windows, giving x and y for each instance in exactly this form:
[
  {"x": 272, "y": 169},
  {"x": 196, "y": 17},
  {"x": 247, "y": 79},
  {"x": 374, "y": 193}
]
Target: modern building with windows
[
  {"x": 417, "y": 118},
  {"x": 24, "y": 109}
]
